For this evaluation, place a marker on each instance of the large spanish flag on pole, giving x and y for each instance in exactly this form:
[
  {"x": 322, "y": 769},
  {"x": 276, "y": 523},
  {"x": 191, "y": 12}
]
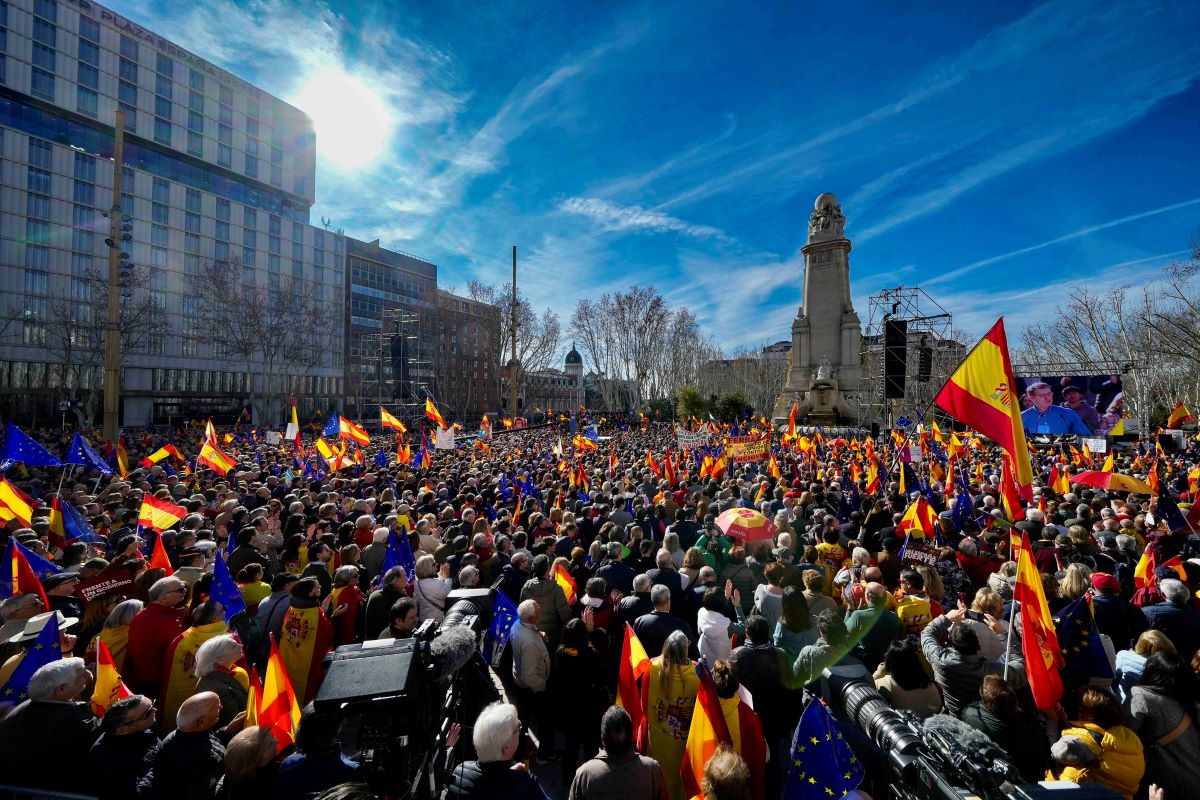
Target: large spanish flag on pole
[
  {"x": 634, "y": 664},
  {"x": 215, "y": 459},
  {"x": 982, "y": 394},
  {"x": 1039, "y": 640},
  {"x": 708, "y": 729},
  {"x": 432, "y": 413},
  {"x": 109, "y": 686},
  {"x": 278, "y": 708},
  {"x": 158, "y": 514}
]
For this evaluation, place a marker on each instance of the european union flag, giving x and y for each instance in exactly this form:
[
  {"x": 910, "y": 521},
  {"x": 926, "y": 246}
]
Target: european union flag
[
  {"x": 844, "y": 508},
  {"x": 45, "y": 649},
  {"x": 964, "y": 509},
  {"x": 81, "y": 453},
  {"x": 1079, "y": 641},
  {"x": 225, "y": 590},
  {"x": 504, "y": 618},
  {"x": 399, "y": 554},
  {"x": 75, "y": 526},
  {"x": 822, "y": 764},
  {"x": 40, "y": 566},
  {"x": 1171, "y": 514},
  {"x": 333, "y": 427},
  {"x": 19, "y": 448},
  {"x": 381, "y": 459}
]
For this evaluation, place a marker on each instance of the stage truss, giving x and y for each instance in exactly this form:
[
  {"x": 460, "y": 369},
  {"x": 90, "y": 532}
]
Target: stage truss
[
  {"x": 929, "y": 324},
  {"x": 396, "y": 370}
]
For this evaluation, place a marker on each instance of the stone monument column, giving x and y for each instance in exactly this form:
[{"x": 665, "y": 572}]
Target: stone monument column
[{"x": 826, "y": 368}]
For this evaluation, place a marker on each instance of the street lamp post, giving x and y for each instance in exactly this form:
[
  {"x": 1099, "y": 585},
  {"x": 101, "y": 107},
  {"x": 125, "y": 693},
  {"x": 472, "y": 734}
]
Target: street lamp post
[{"x": 112, "y": 333}]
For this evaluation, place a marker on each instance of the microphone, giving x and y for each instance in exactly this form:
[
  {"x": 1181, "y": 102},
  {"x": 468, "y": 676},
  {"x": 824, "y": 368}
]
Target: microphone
[
  {"x": 955, "y": 730},
  {"x": 452, "y": 648}
]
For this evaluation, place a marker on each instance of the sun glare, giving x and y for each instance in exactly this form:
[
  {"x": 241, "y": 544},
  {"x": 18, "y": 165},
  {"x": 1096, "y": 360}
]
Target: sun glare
[{"x": 352, "y": 121}]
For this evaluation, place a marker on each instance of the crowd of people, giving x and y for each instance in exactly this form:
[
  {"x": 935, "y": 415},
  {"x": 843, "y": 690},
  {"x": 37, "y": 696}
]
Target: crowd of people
[{"x": 834, "y": 584}]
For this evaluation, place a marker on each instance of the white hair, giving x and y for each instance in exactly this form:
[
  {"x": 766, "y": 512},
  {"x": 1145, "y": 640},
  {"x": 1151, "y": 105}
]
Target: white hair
[
  {"x": 49, "y": 677},
  {"x": 218, "y": 650},
  {"x": 380, "y": 535},
  {"x": 468, "y": 577},
  {"x": 968, "y": 548},
  {"x": 641, "y": 582},
  {"x": 659, "y": 595},
  {"x": 494, "y": 728},
  {"x": 1035, "y": 515},
  {"x": 1174, "y": 591},
  {"x": 861, "y": 557},
  {"x": 526, "y": 611}
]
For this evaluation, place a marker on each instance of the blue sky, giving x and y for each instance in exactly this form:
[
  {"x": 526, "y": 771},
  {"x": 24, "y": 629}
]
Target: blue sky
[{"x": 995, "y": 154}]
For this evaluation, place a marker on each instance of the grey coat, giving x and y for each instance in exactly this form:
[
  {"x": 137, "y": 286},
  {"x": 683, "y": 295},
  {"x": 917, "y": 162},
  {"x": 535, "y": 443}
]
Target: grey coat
[
  {"x": 1171, "y": 766},
  {"x": 959, "y": 675}
]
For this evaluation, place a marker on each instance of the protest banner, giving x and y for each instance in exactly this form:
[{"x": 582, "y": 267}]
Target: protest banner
[
  {"x": 90, "y": 590},
  {"x": 690, "y": 440},
  {"x": 443, "y": 439},
  {"x": 744, "y": 449},
  {"x": 920, "y": 552}
]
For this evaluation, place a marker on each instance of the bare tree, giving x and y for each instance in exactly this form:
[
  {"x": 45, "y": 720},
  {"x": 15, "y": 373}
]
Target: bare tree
[
  {"x": 279, "y": 333},
  {"x": 76, "y": 329},
  {"x": 538, "y": 338}
]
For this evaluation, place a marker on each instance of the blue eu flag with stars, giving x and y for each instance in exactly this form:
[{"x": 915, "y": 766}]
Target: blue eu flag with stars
[
  {"x": 20, "y": 449},
  {"x": 504, "y": 619},
  {"x": 333, "y": 427},
  {"x": 1079, "y": 639},
  {"x": 399, "y": 554},
  {"x": 81, "y": 453},
  {"x": 44, "y": 649},
  {"x": 225, "y": 590},
  {"x": 822, "y": 764}
]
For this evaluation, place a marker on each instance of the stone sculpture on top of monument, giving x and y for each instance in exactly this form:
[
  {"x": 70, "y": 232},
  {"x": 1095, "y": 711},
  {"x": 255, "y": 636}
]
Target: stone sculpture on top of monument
[{"x": 825, "y": 377}]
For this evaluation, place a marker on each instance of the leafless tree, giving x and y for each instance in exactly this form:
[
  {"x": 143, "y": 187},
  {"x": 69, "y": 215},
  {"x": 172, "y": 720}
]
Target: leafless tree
[
  {"x": 76, "y": 329},
  {"x": 538, "y": 337},
  {"x": 279, "y": 334}
]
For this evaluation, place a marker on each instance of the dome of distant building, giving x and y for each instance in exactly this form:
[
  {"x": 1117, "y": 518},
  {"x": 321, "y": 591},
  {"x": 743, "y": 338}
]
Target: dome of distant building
[{"x": 573, "y": 357}]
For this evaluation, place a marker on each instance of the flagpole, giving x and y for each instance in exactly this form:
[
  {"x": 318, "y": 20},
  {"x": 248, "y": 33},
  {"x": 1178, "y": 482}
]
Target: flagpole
[{"x": 1012, "y": 615}]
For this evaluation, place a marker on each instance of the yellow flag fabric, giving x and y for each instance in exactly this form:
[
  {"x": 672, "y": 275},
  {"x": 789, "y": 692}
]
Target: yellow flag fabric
[{"x": 180, "y": 680}]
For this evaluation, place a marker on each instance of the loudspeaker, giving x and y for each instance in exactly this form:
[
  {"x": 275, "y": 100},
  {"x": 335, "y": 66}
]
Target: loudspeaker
[
  {"x": 895, "y": 356},
  {"x": 924, "y": 361}
]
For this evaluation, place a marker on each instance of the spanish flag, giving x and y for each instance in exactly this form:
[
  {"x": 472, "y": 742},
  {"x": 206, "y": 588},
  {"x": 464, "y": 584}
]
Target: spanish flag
[
  {"x": 873, "y": 483},
  {"x": 306, "y": 636},
  {"x": 1108, "y": 463},
  {"x": 15, "y": 504},
  {"x": 1179, "y": 415},
  {"x": 17, "y": 576},
  {"x": 109, "y": 686},
  {"x": 982, "y": 394},
  {"x": 919, "y": 521},
  {"x": 773, "y": 468},
  {"x": 158, "y": 557},
  {"x": 612, "y": 462},
  {"x": 158, "y": 455},
  {"x": 652, "y": 465},
  {"x": 1008, "y": 493},
  {"x": 179, "y": 680},
  {"x": 123, "y": 458},
  {"x": 158, "y": 515},
  {"x": 403, "y": 452},
  {"x": 791, "y": 431},
  {"x": 1060, "y": 482},
  {"x": 278, "y": 708},
  {"x": 386, "y": 420},
  {"x": 1039, "y": 640},
  {"x": 708, "y": 729},
  {"x": 565, "y": 582},
  {"x": 634, "y": 664},
  {"x": 349, "y": 430},
  {"x": 215, "y": 458},
  {"x": 432, "y": 414},
  {"x": 1143, "y": 573}
]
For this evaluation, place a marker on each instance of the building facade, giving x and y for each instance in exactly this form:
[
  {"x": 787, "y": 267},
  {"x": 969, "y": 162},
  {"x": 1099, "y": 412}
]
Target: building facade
[
  {"x": 215, "y": 170},
  {"x": 468, "y": 334},
  {"x": 550, "y": 390},
  {"x": 393, "y": 295}
]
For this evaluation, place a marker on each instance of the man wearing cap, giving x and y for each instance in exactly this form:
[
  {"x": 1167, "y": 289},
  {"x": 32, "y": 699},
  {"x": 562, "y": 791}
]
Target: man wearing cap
[
  {"x": 22, "y": 640},
  {"x": 1073, "y": 400},
  {"x": 60, "y": 591},
  {"x": 1118, "y": 619},
  {"x": 1043, "y": 417}
]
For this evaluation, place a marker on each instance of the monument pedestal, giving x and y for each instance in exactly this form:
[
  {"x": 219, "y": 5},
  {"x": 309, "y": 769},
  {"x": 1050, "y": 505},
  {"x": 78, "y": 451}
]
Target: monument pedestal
[{"x": 825, "y": 377}]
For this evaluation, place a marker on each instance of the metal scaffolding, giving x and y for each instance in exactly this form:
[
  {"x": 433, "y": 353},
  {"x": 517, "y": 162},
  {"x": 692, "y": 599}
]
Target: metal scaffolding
[
  {"x": 395, "y": 366},
  {"x": 929, "y": 326}
]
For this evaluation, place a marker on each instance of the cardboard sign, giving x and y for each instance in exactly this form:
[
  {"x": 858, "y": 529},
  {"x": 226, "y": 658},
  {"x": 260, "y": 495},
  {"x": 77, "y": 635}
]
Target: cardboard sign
[
  {"x": 745, "y": 449},
  {"x": 920, "y": 551},
  {"x": 443, "y": 439},
  {"x": 1096, "y": 445},
  {"x": 273, "y": 437},
  {"x": 90, "y": 590}
]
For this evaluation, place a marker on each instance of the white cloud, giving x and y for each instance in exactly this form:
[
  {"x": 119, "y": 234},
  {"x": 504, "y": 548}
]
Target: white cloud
[{"x": 612, "y": 217}]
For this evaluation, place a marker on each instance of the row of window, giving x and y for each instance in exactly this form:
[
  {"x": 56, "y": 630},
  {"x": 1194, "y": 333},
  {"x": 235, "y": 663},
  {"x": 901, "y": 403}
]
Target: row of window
[
  {"x": 147, "y": 157},
  {"x": 205, "y": 381}
]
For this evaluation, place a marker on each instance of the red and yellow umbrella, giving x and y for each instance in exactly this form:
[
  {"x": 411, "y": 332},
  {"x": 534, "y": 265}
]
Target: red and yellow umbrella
[
  {"x": 1113, "y": 481},
  {"x": 746, "y": 524}
]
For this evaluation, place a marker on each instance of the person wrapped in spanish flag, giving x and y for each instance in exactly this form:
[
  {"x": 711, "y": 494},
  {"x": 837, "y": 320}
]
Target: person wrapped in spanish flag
[{"x": 305, "y": 636}]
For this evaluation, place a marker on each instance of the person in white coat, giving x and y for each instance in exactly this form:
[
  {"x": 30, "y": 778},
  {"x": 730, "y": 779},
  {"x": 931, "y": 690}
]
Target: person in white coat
[{"x": 715, "y": 629}]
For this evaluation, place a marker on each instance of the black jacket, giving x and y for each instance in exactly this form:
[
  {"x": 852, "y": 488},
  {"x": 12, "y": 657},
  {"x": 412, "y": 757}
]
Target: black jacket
[
  {"x": 1021, "y": 737},
  {"x": 671, "y": 579},
  {"x": 320, "y": 571},
  {"x": 378, "y": 605},
  {"x": 243, "y": 556},
  {"x": 1122, "y": 621},
  {"x": 115, "y": 763},
  {"x": 512, "y": 580},
  {"x": 617, "y": 575},
  {"x": 653, "y": 629},
  {"x": 185, "y": 765},
  {"x": 42, "y": 737},
  {"x": 494, "y": 780}
]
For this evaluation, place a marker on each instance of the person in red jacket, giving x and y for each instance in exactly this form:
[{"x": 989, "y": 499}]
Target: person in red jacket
[{"x": 151, "y": 633}]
